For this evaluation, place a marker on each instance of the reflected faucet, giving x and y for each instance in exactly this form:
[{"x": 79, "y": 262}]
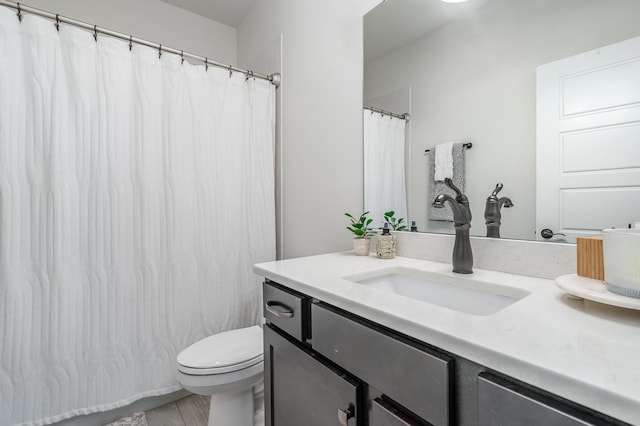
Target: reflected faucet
[
  {"x": 462, "y": 259},
  {"x": 492, "y": 213}
]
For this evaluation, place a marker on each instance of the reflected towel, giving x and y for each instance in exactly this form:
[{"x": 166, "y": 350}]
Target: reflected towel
[
  {"x": 443, "y": 162},
  {"x": 435, "y": 188}
]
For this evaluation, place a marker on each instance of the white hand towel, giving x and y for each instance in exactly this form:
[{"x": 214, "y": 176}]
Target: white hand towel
[{"x": 443, "y": 162}]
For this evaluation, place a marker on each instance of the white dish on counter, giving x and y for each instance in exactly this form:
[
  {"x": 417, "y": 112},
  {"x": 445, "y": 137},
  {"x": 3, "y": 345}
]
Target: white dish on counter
[{"x": 595, "y": 290}]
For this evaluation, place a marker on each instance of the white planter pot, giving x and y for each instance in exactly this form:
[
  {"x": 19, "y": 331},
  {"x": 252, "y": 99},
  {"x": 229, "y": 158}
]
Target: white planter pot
[{"x": 361, "y": 246}]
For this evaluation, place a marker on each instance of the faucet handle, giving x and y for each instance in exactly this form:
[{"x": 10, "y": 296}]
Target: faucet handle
[
  {"x": 451, "y": 185},
  {"x": 499, "y": 187}
]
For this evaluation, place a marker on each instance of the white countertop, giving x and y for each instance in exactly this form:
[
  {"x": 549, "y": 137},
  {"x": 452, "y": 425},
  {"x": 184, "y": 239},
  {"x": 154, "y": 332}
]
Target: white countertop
[{"x": 583, "y": 351}]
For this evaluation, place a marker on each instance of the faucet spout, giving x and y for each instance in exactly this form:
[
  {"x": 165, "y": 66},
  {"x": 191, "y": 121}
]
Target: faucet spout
[
  {"x": 505, "y": 202},
  {"x": 492, "y": 214},
  {"x": 461, "y": 212},
  {"x": 462, "y": 259}
]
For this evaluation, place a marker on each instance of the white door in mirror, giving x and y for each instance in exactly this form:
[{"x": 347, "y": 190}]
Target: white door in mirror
[{"x": 588, "y": 141}]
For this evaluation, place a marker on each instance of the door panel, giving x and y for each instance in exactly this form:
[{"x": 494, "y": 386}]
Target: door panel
[
  {"x": 588, "y": 141},
  {"x": 302, "y": 390}
]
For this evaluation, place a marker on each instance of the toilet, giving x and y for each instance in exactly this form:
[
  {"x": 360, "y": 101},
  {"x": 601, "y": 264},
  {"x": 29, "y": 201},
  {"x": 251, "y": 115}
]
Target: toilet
[{"x": 229, "y": 367}]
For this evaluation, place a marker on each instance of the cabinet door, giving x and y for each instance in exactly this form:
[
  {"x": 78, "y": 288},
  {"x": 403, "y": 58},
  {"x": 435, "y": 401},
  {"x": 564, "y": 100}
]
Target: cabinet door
[
  {"x": 501, "y": 402},
  {"x": 302, "y": 390}
]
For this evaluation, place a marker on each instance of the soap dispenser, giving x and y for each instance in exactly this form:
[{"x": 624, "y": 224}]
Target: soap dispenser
[{"x": 386, "y": 244}]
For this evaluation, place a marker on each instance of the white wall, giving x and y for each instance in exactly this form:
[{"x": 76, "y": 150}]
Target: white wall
[
  {"x": 474, "y": 80},
  {"x": 321, "y": 95},
  {"x": 154, "y": 21}
]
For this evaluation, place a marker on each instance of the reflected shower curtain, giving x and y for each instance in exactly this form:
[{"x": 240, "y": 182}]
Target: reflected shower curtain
[
  {"x": 136, "y": 193},
  {"x": 384, "y": 171}
]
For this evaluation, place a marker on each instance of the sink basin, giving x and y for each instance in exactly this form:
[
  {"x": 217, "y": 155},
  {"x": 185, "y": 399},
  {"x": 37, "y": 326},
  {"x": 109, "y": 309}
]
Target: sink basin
[{"x": 456, "y": 293}]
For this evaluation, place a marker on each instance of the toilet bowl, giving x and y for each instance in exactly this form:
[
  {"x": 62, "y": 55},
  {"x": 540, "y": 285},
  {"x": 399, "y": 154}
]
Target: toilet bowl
[{"x": 229, "y": 367}]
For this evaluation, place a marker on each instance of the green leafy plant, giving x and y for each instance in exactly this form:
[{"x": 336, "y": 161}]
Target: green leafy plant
[
  {"x": 360, "y": 226},
  {"x": 394, "y": 224}
]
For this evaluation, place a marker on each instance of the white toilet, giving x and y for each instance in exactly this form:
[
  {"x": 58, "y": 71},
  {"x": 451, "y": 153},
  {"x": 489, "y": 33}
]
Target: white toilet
[{"x": 229, "y": 367}]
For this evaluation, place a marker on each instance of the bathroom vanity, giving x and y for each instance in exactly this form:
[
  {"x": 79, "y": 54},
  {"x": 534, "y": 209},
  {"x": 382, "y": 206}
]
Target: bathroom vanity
[{"x": 339, "y": 350}]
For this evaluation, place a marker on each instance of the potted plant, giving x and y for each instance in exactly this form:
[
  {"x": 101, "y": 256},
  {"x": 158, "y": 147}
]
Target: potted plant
[
  {"x": 360, "y": 228},
  {"x": 394, "y": 224}
]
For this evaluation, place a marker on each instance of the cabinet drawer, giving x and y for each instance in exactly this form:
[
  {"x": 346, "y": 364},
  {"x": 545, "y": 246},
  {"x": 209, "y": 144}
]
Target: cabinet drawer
[
  {"x": 501, "y": 402},
  {"x": 418, "y": 380},
  {"x": 383, "y": 414},
  {"x": 286, "y": 309}
]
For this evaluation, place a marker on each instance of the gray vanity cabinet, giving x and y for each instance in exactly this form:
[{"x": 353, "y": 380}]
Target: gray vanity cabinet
[{"x": 326, "y": 366}]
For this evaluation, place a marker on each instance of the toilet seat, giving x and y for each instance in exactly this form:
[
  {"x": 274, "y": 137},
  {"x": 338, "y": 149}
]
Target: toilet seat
[
  {"x": 222, "y": 353},
  {"x": 220, "y": 370}
]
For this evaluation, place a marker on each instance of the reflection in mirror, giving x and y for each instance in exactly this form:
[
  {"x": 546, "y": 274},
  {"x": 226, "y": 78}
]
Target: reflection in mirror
[
  {"x": 384, "y": 160},
  {"x": 467, "y": 72}
]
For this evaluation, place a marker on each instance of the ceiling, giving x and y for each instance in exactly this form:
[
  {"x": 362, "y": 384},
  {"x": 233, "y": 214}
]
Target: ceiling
[
  {"x": 390, "y": 25},
  {"x": 395, "y": 23},
  {"x": 229, "y": 12}
]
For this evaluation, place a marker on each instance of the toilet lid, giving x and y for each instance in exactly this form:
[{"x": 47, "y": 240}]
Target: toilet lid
[{"x": 235, "y": 348}]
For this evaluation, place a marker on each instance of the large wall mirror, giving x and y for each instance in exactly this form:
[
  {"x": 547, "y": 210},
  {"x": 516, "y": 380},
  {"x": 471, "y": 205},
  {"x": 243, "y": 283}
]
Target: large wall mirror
[{"x": 466, "y": 72}]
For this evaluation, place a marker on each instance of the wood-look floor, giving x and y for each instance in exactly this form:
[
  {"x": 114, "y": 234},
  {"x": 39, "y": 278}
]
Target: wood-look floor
[{"x": 190, "y": 411}]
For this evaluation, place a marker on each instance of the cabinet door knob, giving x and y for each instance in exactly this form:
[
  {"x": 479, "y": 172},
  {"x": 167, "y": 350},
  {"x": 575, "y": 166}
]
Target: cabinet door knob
[
  {"x": 278, "y": 309},
  {"x": 345, "y": 415}
]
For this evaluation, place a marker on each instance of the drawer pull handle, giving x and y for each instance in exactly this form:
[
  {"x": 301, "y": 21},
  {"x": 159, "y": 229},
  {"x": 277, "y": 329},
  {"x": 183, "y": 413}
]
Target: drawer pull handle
[
  {"x": 279, "y": 310},
  {"x": 345, "y": 415}
]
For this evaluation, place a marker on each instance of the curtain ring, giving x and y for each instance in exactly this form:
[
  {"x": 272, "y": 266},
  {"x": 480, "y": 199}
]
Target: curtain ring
[
  {"x": 159, "y": 51},
  {"x": 57, "y": 24},
  {"x": 206, "y": 64},
  {"x": 19, "y": 13},
  {"x": 181, "y": 57},
  {"x": 95, "y": 33},
  {"x": 130, "y": 43},
  {"x": 230, "y": 71}
]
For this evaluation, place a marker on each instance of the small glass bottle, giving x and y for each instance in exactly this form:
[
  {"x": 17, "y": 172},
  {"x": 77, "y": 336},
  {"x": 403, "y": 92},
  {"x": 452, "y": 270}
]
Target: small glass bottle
[{"x": 386, "y": 244}]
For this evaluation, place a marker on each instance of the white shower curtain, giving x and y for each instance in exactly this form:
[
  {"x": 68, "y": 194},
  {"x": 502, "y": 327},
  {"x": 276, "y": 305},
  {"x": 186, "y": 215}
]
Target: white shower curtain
[
  {"x": 136, "y": 193},
  {"x": 384, "y": 170}
]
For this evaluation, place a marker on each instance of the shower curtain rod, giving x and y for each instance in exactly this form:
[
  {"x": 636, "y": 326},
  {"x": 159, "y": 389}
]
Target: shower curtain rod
[
  {"x": 405, "y": 116},
  {"x": 273, "y": 78}
]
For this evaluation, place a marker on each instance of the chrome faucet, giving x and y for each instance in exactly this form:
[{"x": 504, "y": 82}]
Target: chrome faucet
[
  {"x": 492, "y": 213},
  {"x": 462, "y": 259}
]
